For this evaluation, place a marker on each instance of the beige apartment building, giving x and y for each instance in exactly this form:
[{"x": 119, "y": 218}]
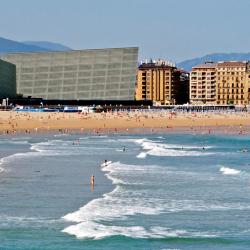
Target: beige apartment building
[
  {"x": 203, "y": 84},
  {"x": 220, "y": 83},
  {"x": 232, "y": 83},
  {"x": 160, "y": 82},
  {"x": 248, "y": 82}
]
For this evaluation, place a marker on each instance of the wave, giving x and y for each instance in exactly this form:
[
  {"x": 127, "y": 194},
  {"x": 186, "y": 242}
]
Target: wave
[
  {"x": 94, "y": 219},
  {"x": 56, "y": 147},
  {"x": 149, "y": 144},
  {"x": 21, "y": 220},
  {"x": 92, "y": 230},
  {"x": 15, "y": 142},
  {"x": 229, "y": 171},
  {"x": 142, "y": 155},
  {"x": 61, "y": 135},
  {"x": 48, "y": 148},
  {"x": 160, "y": 149}
]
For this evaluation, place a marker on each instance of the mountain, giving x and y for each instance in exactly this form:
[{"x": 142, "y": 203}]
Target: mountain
[
  {"x": 10, "y": 46},
  {"x": 188, "y": 64},
  {"x": 48, "y": 45}
]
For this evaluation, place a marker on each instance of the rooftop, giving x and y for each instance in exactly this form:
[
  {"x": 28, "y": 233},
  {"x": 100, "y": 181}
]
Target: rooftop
[
  {"x": 232, "y": 64},
  {"x": 206, "y": 65},
  {"x": 155, "y": 66}
]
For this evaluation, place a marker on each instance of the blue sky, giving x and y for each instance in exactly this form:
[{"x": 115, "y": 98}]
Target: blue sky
[{"x": 169, "y": 29}]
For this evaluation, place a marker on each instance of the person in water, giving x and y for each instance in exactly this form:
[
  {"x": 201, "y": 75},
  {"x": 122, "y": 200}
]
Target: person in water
[
  {"x": 92, "y": 181},
  {"x": 124, "y": 148}
]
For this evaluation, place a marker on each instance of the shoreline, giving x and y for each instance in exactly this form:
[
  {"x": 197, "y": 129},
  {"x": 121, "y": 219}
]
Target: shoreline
[{"x": 216, "y": 130}]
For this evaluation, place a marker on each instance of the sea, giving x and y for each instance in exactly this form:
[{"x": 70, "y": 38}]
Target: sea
[{"x": 158, "y": 191}]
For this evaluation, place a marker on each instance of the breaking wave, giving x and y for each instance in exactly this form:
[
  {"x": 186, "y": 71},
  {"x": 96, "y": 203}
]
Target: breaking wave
[
  {"x": 162, "y": 149},
  {"x": 229, "y": 171},
  {"x": 99, "y": 217}
]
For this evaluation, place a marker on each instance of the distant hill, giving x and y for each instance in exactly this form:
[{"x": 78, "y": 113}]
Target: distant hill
[
  {"x": 188, "y": 64},
  {"x": 10, "y": 46},
  {"x": 48, "y": 45}
]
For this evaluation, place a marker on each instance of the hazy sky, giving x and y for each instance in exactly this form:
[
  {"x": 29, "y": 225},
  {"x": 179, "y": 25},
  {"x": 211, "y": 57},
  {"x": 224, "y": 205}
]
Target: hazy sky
[{"x": 169, "y": 29}]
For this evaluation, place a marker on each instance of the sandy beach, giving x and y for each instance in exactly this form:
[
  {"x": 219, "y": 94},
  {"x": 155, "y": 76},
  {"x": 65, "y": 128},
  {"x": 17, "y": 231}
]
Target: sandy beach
[{"x": 14, "y": 122}]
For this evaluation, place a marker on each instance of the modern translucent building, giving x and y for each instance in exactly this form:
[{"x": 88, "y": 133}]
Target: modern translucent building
[
  {"x": 7, "y": 79},
  {"x": 96, "y": 74}
]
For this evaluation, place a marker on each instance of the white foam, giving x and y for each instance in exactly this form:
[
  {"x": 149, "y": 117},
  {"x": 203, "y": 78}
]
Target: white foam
[
  {"x": 25, "y": 220},
  {"x": 21, "y": 138},
  {"x": 61, "y": 135},
  {"x": 229, "y": 171},
  {"x": 93, "y": 230},
  {"x": 112, "y": 206},
  {"x": 169, "y": 152},
  {"x": 160, "y": 149},
  {"x": 96, "y": 231},
  {"x": 105, "y": 164},
  {"x": 55, "y": 147},
  {"x": 142, "y": 155}
]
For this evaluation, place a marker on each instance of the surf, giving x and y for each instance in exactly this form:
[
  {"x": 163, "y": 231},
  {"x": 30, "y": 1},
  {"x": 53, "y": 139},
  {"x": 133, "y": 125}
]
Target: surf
[
  {"x": 229, "y": 171},
  {"x": 98, "y": 218},
  {"x": 156, "y": 148}
]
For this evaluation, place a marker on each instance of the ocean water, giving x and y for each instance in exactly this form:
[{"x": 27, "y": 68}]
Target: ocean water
[{"x": 164, "y": 191}]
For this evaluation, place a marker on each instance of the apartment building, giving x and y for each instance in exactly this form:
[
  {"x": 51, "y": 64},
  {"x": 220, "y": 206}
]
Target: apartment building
[
  {"x": 232, "y": 80},
  {"x": 159, "y": 81},
  {"x": 248, "y": 82},
  {"x": 203, "y": 84}
]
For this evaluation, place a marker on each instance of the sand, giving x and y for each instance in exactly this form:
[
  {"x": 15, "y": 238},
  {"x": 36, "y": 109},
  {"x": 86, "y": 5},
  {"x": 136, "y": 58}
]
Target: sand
[{"x": 29, "y": 122}]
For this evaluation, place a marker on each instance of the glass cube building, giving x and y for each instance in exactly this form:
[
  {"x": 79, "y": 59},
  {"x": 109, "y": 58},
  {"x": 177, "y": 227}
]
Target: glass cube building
[
  {"x": 96, "y": 74},
  {"x": 7, "y": 79}
]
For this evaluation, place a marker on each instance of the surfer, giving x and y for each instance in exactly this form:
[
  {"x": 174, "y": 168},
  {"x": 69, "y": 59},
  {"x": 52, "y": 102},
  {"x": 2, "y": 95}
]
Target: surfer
[
  {"x": 105, "y": 163},
  {"x": 124, "y": 148}
]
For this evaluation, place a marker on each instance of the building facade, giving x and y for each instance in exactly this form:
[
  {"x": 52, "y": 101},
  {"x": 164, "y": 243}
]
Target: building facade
[
  {"x": 203, "y": 84},
  {"x": 7, "y": 79},
  {"x": 232, "y": 83},
  {"x": 97, "y": 74},
  {"x": 158, "y": 81},
  {"x": 248, "y": 81}
]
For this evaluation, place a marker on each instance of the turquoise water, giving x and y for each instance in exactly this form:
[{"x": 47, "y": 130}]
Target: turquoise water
[{"x": 162, "y": 192}]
